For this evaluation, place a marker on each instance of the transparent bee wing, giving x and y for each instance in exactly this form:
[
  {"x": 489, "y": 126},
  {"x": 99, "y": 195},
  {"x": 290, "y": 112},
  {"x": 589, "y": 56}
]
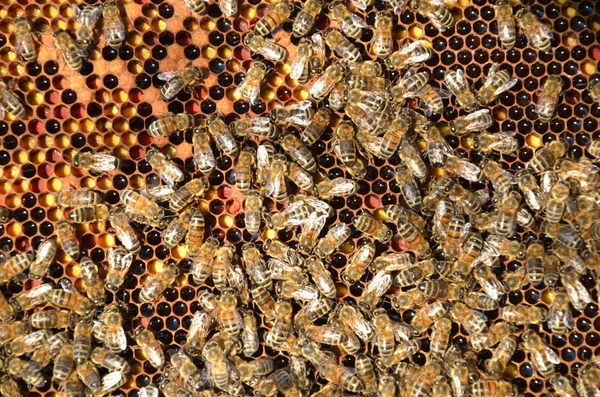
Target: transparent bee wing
[
  {"x": 274, "y": 185},
  {"x": 476, "y": 114},
  {"x": 314, "y": 225},
  {"x": 263, "y": 159},
  {"x": 490, "y": 75},
  {"x": 410, "y": 47},
  {"x": 103, "y": 162},
  {"x": 149, "y": 391},
  {"x": 380, "y": 284},
  {"x": 298, "y": 66},
  {"x": 342, "y": 186},
  {"x": 2, "y": 112},
  {"x": 302, "y": 105},
  {"x": 319, "y": 45},
  {"x": 544, "y": 31},
  {"x": 77, "y": 12},
  {"x": 506, "y": 86},
  {"x": 66, "y": 285},
  {"x": 121, "y": 338},
  {"x": 317, "y": 205},
  {"x": 38, "y": 291},
  {"x": 80, "y": 50},
  {"x": 358, "y": 21},
  {"x": 551, "y": 355},
  {"x": 201, "y": 323},
  {"x": 492, "y": 287},
  {"x": 166, "y": 76},
  {"x": 360, "y": 4},
  {"x": 435, "y": 21},
  {"x": 112, "y": 380}
]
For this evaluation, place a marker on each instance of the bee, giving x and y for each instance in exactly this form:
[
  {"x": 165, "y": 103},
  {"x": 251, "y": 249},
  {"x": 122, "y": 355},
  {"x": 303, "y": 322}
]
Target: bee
[
  {"x": 318, "y": 59},
  {"x": 124, "y": 231},
  {"x": 374, "y": 290},
  {"x": 299, "y": 114},
  {"x": 366, "y": 374},
  {"x": 306, "y": 18},
  {"x": 78, "y": 198},
  {"x": 321, "y": 277},
  {"x": 49, "y": 350},
  {"x": 594, "y": 89},
  {"x": 368, "y": 225},
  {"x": 25, "y": 39},
  {"x": 255, "y": 265},
  {"x": 460, "y": 87},
  {"x": 91, "y": 280},
  {"x": 411, "y": 85},
  {"x": 342, "y": 47},
  {"x": 326, "y": 334},
  {"x": 89, "y": 214},
  {"x": 257, "y": 126},
  {"x": 7, "y": 311},
  {"x": 538, "y": 34},
  {"x": 413, "y": 238},
  {"x": 530, "y": 189},
  {"x": 26, "y": 344},
  {"x": 382, "y": 42},
  {"x": 201, "y": 325},
  {"x": 520, "y": 314},
  {"x": 44, "y": 257},
  {"x": 249, "y": 88},
  {"x": 229, "y": 8},
  {"x": 203, "y": 262},
  {"x": 179, "y": 80},
  {"x": 88, "y": 374},
  {"x": 114, "y": 338},
  {"x": 548, "y": 98},
  {"x": 220, "y": 132},
  {"x": 296, "y": 214},
  {"x": 263, "y": 299},
  {"x": 390, "y": 141},
  {"x": 188, "y": 192},
  {"x": 249, "y": 337},
  {"x": 293, "y": 290},
  {"x": 170, "y": 123},
  {"x": 253, "y": 214},
  {"x": 345, "y": 146},
  {"x": 422, "y": 384},
  {"x": 436, "y": 11},
  {"x": 265, "y": 47},
  {"x": 282, "y": 326},
  {"x": 409, "y": 154},
  {"x": 506, "y": 224},
  {"x": 72, "y": 52},
  {"x": 356, "y": 321},
  {"x": 275, "y": 185},
  {"x": 119, "y": 262},
  {"x": 276, "y": 249},
  {"x": 341, "y": 376},
  {"x": 489, "y": 282},
  {"x": 96, "y": 162},
  {"x": 64, "y": 364},
  {"x": 66, "y": 236},
  {"x": 462, "y": 168},
  {"x": 273, "y": 18},
  {"x": 165, "y": 168},
  {"x": 300, "y": 177},
  {"x": 204, "y": 159},
  {"x": 409, "y": 54},
  {"x": 338, "y": 187},
  {"x": 467, "y": 200},
  {"x": 457, "y": 232},
  {"x": 358, "y": 263},
  {"x": 557, "y": 203},
  {"x": 492, "y": 387},
  {"x": 197, "y": 6},
  {"x": 542, "y": 356},
  {"x": 350, "y": 22},
  {"x": 473, "y": 321},
  {"x": 327, "y": 81},
  {"x": 503, "y": 142},
  {"x": 496, "y": 365},
  {"x": 563, "y": 234},
  {"x": 426, "y": 316},
  {"x": 152, "y": 349},
  {"x": 229, "y": 316},
  {"x": 384, "y": 334},
  {"x": 86, "y": 20},
  {"x": 114, "y": 29},
  {"x": 439, "y": 338},
  {"x": 51, "y": 318},
  {"x": 577, "y": 293},
  {"x": 334, "y": 238},
  {"x": 153, "y": 288},
  {"x": 29, "y": 371},
  {"x": 492, "y": 336},
  {"x": 176, "y": 230},
  {"x": 300, "y": 69},
  {"x": 480, "y": 301},
  {"x": 473, "y": 122},
  {"x": 495, "y": 83},
  {"x": 171, "y": 388},
  {"x": 310, "y": 232},
  {"x": 311, "y": 311},
  {"x": 142, "y": 207},
  {"x": 560, "y": 318}
]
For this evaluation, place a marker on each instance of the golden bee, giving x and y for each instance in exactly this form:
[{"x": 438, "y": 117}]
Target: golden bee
[
  {"x": 78, "y": 198},
  {"x": 29, "y": 371},
  {"x": 89, "y": 214},
  {"x": 165, "y": 168},
  {"x": 460, "y": 87},
  {"x": 542, "y": 356},
  {"x": 374, "y": 290},
  {"x": 507, "y": 27},
  {"x": 341, "y": 376},
  {"x": 300, "y": 70},
  {"x": 44, "y": 257},
  {"x": 88, "y": 374},
  {"x": 358, "y": 263},
  {"x": 265, "y": 47},
  {"x": 334, "y": 238},
  {"x": 321, "y": 277},
  {"x": 273, "y": 19},
  {"x": 342, "y": 47},
  {"x": 327, "y": 81},
  {"x": 492, "y": 387},
  {"x": 249, "y": 88},
  {"x": 503, "y": 142},
  {"x": 368, "y": 225},
  {"x": 66, "y": 237},
  {"x": 437, "y": 12},
  {"x": 350, "y": 22},
  {"x": 366, "y": 373},
  {"x": 153, "y": 288},
  {"x": 204, "y": 158},
  {"x": 306, "y": 18},
  {"x": 382, "y": 43},
  {"x": 538, "y": 34},
  {"x": 124, "y": 231},
  {"x": 96, "y": 162},
  {"x": 299, "y": 114},
  {"x": 73, "y": 53},
  {"x": 310, "y": 232},
  {"x": 548, "y": 98},
  {"x": 142, "y": 207},
  {"x": 495, "y": 83},
  {"x": 560, "y": 317},
  {"x": 257, "y": 126},
  {"x": 152, "y": 348},
  {"x": 170, "y": 123},
  {"x": 422, "y": 384},
  {"x": 86, "y": 20},
  {"x": 410, "y": 53},
  {"x": 179, "y": 80},
  {"x": 114, "y": 29},
  {"x": 473, "y": 122},
  {"x": 25, "y": 39},
  {"x": 92, "y": 281},
  {"x": 282, "y": 326}
]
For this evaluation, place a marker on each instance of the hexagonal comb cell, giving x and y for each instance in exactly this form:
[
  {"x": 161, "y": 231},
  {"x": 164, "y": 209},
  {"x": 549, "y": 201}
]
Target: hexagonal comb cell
[{"x": 94, "y": 147}]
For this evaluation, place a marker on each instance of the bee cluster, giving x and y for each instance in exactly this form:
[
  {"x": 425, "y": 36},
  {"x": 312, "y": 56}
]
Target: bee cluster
[{"x": 376, "y": 224}]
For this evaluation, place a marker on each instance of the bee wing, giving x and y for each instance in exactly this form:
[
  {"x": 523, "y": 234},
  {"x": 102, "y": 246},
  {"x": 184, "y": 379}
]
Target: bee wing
[
  {"x": 342, "y": 186},
  {"x": 201, "y": 323},
  {"x": 302, "y": 105},
  {"x": 551, "y": 355},
  {"x": 121, "y": 338},
  {"x": 103, "y": 162},
  {"x": 66, "y": 285},
  {"x": 398, "y": 6},
  {"x": 314, "y": 225},
  {"x": 411, "y": 46},
  {"x": 149, "y": 391},
  {"x": 358, "y": 21},
  {"x": 317, "y": 205},
  {"x": 435, "y": 21},
  {"x": 166, "y": 76},
  {"x": 206, "y": 158},
  {"x": 506, "y": 86},
  {"x": 80, "y": 50},
  {"x": 319, "y": 45},
  {"x": 492, "y": 287},
  {"x": 298, "y": 66},
  {"x": 469, "y": 171},
  {"x": 490, "y": 75},
  {"x": 111, "y": 380},
  {"x": 544, "y": 31},
  {"x": 38, "y": 291},
  {"x": 263, "y": 159},
  {"x": 460, "y": 77},
  {"x": 380, "y": 284},
  {"x": 275, "y": 184},
  {"x": 476, "y": 114}
]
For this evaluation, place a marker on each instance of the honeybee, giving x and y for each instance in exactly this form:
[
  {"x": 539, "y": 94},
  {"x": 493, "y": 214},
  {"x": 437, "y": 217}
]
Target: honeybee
[
  {"x": 25, "y": 344},
  {"x": 530, "y": 188},
  {"x": 409, "y": 54},
  {"x": 82, "y": 340},
  {"x": 264, "y": 301},
  {"x": 282, "y": 327},
  {"x": 86, "y": 20},
  {"x": 327, "y": 81},
  {"x": 165, "y": 168},
  {"x": 436, "y": 11},
  {"x": 276, "y": 249},
  {"x": 411, "y": 157},
  {"x": 257, "y": 126},
  {"x": 411, "y": 85},
  {"x": 66, "y": 236},
  {"x": 220, "y": 132},
  {"x": 72, "y": 52},
  {"x": 204, "y": 159},
  {"x": 63, "y": 364},
  {"x": 88, "y": 374},
  {"x": 321, "y": 277},
  {"x": 506, "y": 224},
  {"x": 176, "y": 230},
  {"x": 338, "y": 187},
  {"x": 300, "y": 69},
  {"x": 356, "y": 321},
  {"x": 273, "y": 19},
  {"x": 366, "y": 374},
  {"x": 382, "y": 43},
  {"x": 124, "y": 231},
  {"x": 492, "y": 387},
  {"x": 560, "y": 318},
  {"x": 44, "y": 257},
  {"x": 255, "y": 265},
  {"x": 29, "y": 371},
  {"x": 507, "y": 29},
  {"x": 460, "y": 87},
  {"x": 249, "y": 88},
  {"x": 368, "y": 225},
  {"x": 422, "y": 384},
  {"x": 203, "y": 263},
  {"x": 188, "y": 192},
  {"x": 25, "y": 39},
  {"x": 548, "y": 97},
  {"x": 170, "y": 123},
  {"x": 296, "y": 214},
  {"x": 114, "y": 338},
  {"x": 503, "y": 142},
  {"x": 153, "y": 288},
  {"x": 201, "y": 324},
  {"x": 265, "y": 47},
  {"x": 520, "y": 314},
  {"x": 462, "y": 168},
  {"x": 96, "y": 162},
  {"x": 439, "y": 338},
  {"x": 473, "y": 122},
  {"x": 358, "y": 263},
  {"x": 390, "y": 141},
  {"x": 142, "y": 207},
  {"x": 311, "y": 311},
  {"x": 89, "y": 214},
  {"x": 495, "y": 83},
  {"x": 69, "y": 298},
  {"x": 78, "y": 198},
  {"x": 426, "y": 316},
  {"x": 384, "y": 334},
  {"x": 293, "y": 290},
  {"x": 306, "y": 18},
  {"x": 374, "y": 290},
  {"x": 310, "y": 232},
  {"x": 334, "y": 238},
  {"x": 300, "y": 177},
  {"x": 577, "y": 293},
  {"x": 538, "y": 34},
  {"x": 496, "y": 365},
  {"x": 492, "y": 336},
  {"x": 114, "y": 29},
  {"x": 299, "y": 114},
  {"x": 119, "y": 262},
  {"x": 339, "y": 44},
  {"x": 542, "y": 356},
  {"x": 350, "y": 22},
  {"x": 94, "y": 285},
  {"x": 179, "y": 80},
  {"x": 197, "y": 6},
  {"x": 345, "y": 147},
  {"x": 341, "y": 376},
  {"x": 413, "y": 238},
  {"x": 151, "y": 347},
  {"x": 473, "y": 321}
]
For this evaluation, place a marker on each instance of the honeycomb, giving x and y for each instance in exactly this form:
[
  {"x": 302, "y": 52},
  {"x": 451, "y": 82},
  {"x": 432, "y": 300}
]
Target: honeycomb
[{"x": 110, "y": 104}]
